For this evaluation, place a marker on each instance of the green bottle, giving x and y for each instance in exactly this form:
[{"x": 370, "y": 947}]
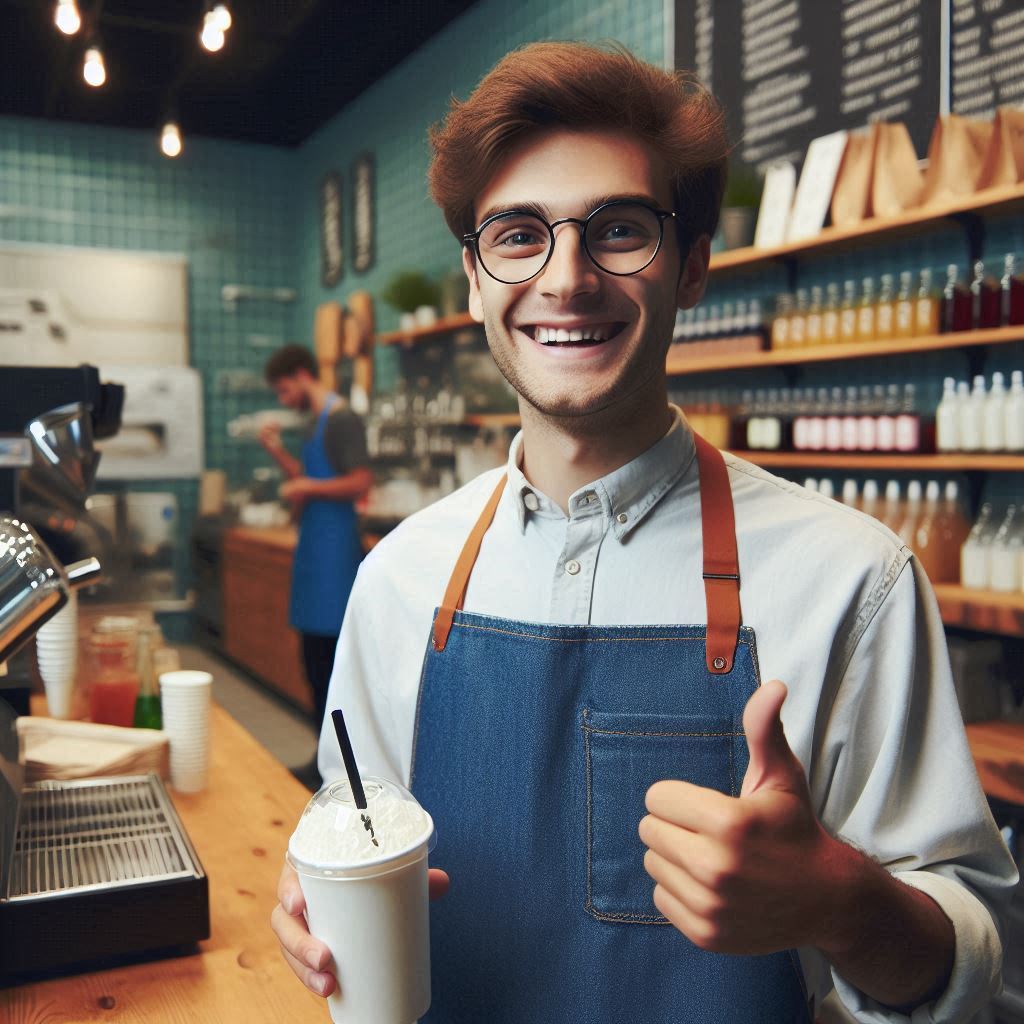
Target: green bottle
[{"x": 147, "y": 704}]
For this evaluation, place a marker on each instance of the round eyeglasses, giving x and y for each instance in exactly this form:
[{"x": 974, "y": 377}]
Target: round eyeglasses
[{"x": 621, "y": 237}]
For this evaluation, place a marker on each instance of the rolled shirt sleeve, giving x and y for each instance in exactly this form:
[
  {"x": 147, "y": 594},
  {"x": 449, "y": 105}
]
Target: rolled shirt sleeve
[{"x": 902, "y": 787}]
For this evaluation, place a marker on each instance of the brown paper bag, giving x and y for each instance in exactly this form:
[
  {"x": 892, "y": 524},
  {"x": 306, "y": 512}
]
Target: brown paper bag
[
  {"x": 896, "y": 181},
  {"x": 1004, "y": 159},
  {"x": 851, "y": 197},
  {"x": 955, "y": 156}
]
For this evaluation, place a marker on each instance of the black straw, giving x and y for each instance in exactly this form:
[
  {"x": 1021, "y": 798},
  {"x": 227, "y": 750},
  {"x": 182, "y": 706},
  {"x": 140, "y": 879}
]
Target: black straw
[{"x": 349, "y": 758}]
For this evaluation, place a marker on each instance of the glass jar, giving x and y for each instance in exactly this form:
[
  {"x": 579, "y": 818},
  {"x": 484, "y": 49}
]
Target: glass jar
[{"x": 112, "y": 677}]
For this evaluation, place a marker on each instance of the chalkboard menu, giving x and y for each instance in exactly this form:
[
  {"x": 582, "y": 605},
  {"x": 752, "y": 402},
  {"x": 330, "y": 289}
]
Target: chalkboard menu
[
  {"x": 788, "y": 71},
  {"x": 987, "y": 56}
]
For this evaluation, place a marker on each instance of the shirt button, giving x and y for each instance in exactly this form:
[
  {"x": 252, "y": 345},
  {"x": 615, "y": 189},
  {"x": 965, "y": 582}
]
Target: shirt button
[
  {"x": 530, "y": 501},
  {"x": 572, "y": 567},
  {"x": 622, "y": 517}
]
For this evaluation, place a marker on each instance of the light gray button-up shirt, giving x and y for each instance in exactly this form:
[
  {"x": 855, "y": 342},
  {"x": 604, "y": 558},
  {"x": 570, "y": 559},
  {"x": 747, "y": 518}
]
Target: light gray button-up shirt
[{"x": 842, "y": 613}]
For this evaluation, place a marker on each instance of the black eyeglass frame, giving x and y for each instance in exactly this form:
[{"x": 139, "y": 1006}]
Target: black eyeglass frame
[{"x": 473, "y": 237}]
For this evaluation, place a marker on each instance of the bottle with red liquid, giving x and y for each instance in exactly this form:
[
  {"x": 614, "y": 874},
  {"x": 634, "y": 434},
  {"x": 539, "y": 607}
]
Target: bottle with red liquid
[
  {"x": 985, "y": 299},
  {"x": 956, "y": 303},
  {"x": 112, "y": 671},
  {"x": 1011, "y": 293}
]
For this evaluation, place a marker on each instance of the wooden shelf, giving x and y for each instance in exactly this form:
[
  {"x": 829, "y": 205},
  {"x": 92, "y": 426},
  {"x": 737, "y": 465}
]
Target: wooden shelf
[
  {"x": 494, "y": 420},
  {"x": 965, "y": 462},
  {"x": 679, "y": 365},
  {"x": 446, "y": 325},
  {"x": 988, "y": 201},
  {"x": 998, "y": 749},
  {"x": 987, "y": 611}
]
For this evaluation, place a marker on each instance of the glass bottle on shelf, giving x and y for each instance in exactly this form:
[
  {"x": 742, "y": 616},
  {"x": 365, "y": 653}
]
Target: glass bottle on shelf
[
  {"x": 866, "y": 311},
  {"x": 1011, "y": 287},
  {"x": 993, "y": 428},
  {"x": 780, "y": 321},
  {"x": 885, "y": 432},
  {"x": 974, "y": 555},
  {"x": 947, "y": 418},
  {"x": 826, "y": 488},
  {"x": 848, "y": 429},
  {"x": 830, "y": 315},
  {"x": 867, "y": 423},
  {"x": 834, "y": 421},
  {"x": 816, "y": 421},
  {"x": 956, "y": 303},
  {"x": 850, "y": 494},
  {"x": 1004, "y": 555},
  {"x": 700, "y": 325},
  {"x": 772, "y": 425},
  {"x": 985, "y": 299},
  {"x": 739, "y": 320},
  {"x": 869, "y": 498},
  {"x": 812, "y": 324},
  {"x": 953, "y": 529},
  {"x": 147, "y": 704},
  {"x": 1013, "y": 411},
  {"x": 714, "y": 324},
  {"x": 848, "y": 313},
  {"x": 972, "y": 417},
  {"x": 911, "y": 515},
  {"x": 908, "y": 422},
  {"x": 755, "y": 321},
  {"x": 926, "y": 540},
  {"x": 904, "y": 320},
  {"x": 727, "y": 324},
  {"x": 798, "y": 319},
  {"x": 892, "y": 509},
  {"x": 885, "y": 310},
  {"x": 926, "y": 308},
  {"x": 801, "y": 413}
]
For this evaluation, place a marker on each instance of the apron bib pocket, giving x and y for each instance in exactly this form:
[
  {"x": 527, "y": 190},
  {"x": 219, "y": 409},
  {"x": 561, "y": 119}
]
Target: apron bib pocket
[{"x": 624, "y": 755}]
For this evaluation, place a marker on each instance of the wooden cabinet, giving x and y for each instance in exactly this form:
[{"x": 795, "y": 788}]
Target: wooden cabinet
[{"x": 256, "y": 581}]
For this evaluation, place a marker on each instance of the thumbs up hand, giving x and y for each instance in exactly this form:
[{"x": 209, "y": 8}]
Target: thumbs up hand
[{"x": 751, "y": 874}]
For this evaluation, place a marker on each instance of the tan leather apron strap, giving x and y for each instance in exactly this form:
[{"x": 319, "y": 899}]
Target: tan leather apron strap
[
  {"x": 456, "y": 592},
  {"x": 721, "y": 563}
]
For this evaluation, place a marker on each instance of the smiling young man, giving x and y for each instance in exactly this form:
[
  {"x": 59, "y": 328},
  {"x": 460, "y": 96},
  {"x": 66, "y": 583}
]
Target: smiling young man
[{"x": 635, "y": 828}]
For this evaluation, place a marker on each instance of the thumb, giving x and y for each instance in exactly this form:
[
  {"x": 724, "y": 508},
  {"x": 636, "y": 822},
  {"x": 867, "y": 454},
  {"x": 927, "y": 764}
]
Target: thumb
[{"x": 772, "y": 764}]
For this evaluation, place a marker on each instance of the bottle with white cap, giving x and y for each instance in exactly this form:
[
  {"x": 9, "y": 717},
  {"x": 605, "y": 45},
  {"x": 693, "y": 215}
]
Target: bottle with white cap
[
  {"x": 972, "y": 417},
  {"x": 826, "y": 487},
  {"x": 911, "y": 514},
  {"x": 974, "y": 556},
  {"x": 1013, "y": 412},
  {"x": 811, "y": 484},
  {"x": 1004, "y": 556},
  {"x": 994, "y": 425},
  {"x": 947, "y": 418},
  {"x": 869, "y": 498},
  {"x": 850, "y": 493}
]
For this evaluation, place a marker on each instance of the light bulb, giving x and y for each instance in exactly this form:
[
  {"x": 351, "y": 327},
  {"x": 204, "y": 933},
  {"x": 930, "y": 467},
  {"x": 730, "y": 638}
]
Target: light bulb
[
  {"x": 94, "y": 71},
  {"x": 221, "y": 17},
  {"x": 67, "y": 18},
  {"x": 212, "y": 36},
  {"x": 170, "y": 140}
]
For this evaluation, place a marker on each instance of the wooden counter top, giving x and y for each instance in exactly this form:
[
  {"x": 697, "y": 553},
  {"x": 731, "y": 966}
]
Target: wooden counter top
[
  {"x": 998, "y": 749},
  {"x": 240, "y": 827},
  {"x": 279, "y": 537}
]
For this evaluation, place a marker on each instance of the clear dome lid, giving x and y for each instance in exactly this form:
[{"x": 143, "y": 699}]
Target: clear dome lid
[{"x": 335, "y": 839}]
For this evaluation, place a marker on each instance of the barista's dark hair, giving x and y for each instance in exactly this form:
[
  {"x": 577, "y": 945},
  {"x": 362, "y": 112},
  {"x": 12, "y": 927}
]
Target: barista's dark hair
[
  {"x": 578, "y": 86},
  {"x": 287, "y": 361}
]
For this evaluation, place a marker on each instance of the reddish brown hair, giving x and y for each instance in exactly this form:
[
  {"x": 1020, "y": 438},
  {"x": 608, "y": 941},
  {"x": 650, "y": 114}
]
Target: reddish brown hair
[{"x": 578, "y": 86}]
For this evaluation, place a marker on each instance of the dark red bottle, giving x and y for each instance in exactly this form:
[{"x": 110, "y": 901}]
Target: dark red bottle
[
  {"x": 956, "y": 303},
  {"x": 985, "y": 299},
  {"x": 1011, "y": 293}
]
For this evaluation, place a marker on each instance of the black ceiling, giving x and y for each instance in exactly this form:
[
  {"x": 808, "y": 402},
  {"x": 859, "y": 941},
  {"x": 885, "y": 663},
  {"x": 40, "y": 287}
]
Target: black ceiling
[{"x": 287, "y": 66}]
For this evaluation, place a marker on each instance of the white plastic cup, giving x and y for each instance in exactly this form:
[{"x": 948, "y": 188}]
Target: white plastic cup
[
  {"x": 57, "y": 656},
  {"x": 185, "y": 707},
  {"x": 374, "y": 918}
]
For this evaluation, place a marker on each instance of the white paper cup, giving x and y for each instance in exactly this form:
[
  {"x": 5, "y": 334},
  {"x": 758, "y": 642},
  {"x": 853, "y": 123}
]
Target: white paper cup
[
  {"x": 374, "y": 918},
  {"x": 185, "y": 707}
]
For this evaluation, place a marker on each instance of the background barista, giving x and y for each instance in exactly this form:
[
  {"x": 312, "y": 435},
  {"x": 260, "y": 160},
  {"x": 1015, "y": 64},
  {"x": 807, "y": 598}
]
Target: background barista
[{"x": 321, "y": 489}]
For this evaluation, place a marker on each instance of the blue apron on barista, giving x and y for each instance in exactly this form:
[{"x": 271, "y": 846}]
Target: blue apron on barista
[
  {"x": 533, "y": 750},
  {"x": 328, "y": 552}
]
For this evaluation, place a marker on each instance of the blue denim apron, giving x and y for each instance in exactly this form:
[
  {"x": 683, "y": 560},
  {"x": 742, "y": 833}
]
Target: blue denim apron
[
  {"x": 328, "y": 552},
  {"x": 533, "y": 750}
]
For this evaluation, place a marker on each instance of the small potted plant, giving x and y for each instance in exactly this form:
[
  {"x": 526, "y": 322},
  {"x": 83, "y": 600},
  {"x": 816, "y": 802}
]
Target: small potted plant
[
  {"x": 415, "y": 296},
  {"x": 739, "y": 206}
]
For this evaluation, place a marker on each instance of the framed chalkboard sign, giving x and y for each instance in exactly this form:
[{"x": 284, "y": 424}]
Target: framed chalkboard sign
[
  {"x": 364, "y": 213},
  {"x": 332, "y": 252}
]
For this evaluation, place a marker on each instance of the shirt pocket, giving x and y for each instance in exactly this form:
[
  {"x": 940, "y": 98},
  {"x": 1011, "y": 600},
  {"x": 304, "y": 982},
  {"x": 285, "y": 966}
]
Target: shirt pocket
[{"x": 624, "y": 756}]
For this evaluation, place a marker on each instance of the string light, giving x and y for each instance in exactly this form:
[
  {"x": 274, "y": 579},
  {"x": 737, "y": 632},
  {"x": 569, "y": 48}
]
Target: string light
[
  {"x": 67, "y": 18},
  {"x": 221, "y": 16},
  {"x": 170, "y": 140},
  {"x": 94, "y": 70},
  {"x": 212, "y": 35}
]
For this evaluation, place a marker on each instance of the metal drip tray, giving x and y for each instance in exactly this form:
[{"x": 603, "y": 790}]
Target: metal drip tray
[
  {"x": 101, "y": 870},
  {"x": 89, "y": 835}
]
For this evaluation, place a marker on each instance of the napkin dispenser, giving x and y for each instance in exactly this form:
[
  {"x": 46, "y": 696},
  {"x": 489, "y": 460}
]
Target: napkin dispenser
[{"x": 93, "y": 872}]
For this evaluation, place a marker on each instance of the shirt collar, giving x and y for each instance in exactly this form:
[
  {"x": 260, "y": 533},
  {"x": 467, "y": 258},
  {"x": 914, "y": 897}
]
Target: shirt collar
[{"x": 627, "y": 494}]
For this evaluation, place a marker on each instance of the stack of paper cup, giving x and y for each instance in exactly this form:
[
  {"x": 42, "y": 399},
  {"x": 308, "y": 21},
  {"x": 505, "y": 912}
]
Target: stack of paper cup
[
  {"x": 185, "y": 703},
  {"x": 57, "y": 654}
]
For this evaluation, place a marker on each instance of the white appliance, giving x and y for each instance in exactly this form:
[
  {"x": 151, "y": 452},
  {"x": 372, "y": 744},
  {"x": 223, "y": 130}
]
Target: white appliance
[{"x": 161, "y": 435}]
